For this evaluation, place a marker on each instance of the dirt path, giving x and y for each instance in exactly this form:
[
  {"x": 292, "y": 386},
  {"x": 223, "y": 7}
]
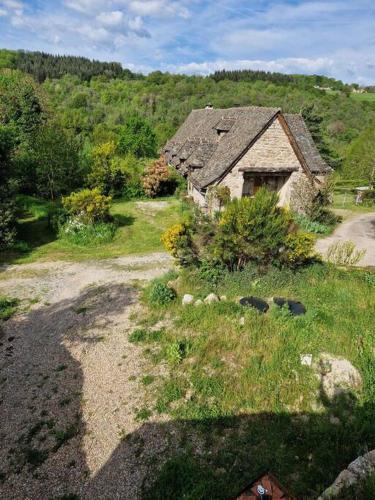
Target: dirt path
[
  {"x": 70, "y": 380},
  {"x": 360, "y": 229}
]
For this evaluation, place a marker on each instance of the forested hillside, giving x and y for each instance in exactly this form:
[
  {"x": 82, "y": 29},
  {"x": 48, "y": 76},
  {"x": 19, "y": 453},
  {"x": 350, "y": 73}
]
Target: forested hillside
[
  {"x": 100, "y": 126},
  {"x": 41, "y": 65}
]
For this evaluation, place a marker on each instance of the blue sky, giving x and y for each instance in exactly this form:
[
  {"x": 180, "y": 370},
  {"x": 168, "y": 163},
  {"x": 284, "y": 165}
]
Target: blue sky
[{"x": 331, "y": 37}]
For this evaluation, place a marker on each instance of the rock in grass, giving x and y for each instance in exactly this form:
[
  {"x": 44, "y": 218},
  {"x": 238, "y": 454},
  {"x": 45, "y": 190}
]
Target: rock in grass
[
  {"x": 223, "y": 297},
  {"x": 198, "y": 302},
  {"x": 187, "y": 299},
  {"x": 337, "y": 375},
  {"x": 242, "y": 321},
  {"x": 210, "y": 299},
  {"x": 306, "y": 359}
]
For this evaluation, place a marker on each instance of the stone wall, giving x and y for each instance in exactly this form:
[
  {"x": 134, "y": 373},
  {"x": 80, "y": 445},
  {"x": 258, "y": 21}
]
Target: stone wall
[{"x": 273, "y": 149}]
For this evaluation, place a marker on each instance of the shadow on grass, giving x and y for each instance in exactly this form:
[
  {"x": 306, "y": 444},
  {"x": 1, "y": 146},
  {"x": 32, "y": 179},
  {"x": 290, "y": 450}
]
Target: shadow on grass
[
  {"x": 31, "y": 234},
  {"x": 124, "y": 220},
  {"x": 214, "y": 457}
]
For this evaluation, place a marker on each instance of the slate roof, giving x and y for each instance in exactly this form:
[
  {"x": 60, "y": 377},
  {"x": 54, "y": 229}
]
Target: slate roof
[
  {"x": 306, "y": 144},
  {"x": 211, "y": 141}
]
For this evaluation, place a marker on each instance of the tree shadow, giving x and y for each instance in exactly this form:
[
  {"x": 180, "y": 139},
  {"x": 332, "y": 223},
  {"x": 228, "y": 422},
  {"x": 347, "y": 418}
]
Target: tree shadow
[
  {"x": 123, "y": 220},
  {"x": 216, "y": 458},
  {"x": 31, "y": 234},
  {"x": 42, "y": 454}
]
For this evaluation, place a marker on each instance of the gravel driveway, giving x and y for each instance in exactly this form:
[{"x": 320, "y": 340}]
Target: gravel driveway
[
  {"x": 70, "y": 381},
  {"x": 360, "y": 229}
]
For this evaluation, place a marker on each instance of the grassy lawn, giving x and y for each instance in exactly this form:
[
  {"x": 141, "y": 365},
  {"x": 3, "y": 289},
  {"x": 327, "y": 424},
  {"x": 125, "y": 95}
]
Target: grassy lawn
[
  {"x": 345, "y": 199},
  {"x": 238, "y": 391},
  {"x": 140, "y": 227},
  {"x": 369, "y": 97}
]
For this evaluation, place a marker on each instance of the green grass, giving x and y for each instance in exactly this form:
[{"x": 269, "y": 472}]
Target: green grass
[
  {"x": 242, "y": 392},
  {"x": 138, "y": 233},
  {"x": 367, "y": 97},
  {"x": 345, "y": 199},
  {"x": 7, "y": 307}
]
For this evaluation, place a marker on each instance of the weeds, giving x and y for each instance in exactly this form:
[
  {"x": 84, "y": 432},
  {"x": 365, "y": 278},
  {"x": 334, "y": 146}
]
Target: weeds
[{"x": 8, "y": 307}]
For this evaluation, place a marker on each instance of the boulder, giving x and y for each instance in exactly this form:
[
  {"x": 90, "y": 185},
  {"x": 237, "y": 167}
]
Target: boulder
[
  {"x": 337, "y": 375},
  {"x": 187, "y": 299},
  {"x": 210, "y": 299},
  {"x": 223, "y": 297},
  {"x": 242, "y": 321},
  {"x": 198, "y": 302}
]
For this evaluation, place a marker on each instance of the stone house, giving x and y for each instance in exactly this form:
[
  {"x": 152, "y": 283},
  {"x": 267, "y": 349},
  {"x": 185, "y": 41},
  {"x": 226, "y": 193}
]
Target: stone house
[{"x": 246, "y": 148}]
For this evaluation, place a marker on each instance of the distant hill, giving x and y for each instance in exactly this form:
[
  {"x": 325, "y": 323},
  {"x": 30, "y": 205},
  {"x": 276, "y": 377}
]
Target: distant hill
[
  {"x": 301, "y": 81},
  {"x": 42, "y": 66}
]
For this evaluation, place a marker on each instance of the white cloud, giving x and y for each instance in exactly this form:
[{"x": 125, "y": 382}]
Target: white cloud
[
  {"x": 113, "y": 18},
  {"x": 3, "y": 12},
  {"x": 158, "y": 8},
  {"x": 86, "y": 6}
]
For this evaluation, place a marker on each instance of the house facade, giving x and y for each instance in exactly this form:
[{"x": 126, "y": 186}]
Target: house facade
[{"x": 244, "y": 149}]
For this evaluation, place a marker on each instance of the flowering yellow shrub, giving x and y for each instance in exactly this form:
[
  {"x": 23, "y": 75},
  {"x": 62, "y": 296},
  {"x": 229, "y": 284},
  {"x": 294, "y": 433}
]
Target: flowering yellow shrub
[
  {"x": 89, "y": 205},
  {"x": 299, "y": 248},
  {"x": 172, "y": 237}
]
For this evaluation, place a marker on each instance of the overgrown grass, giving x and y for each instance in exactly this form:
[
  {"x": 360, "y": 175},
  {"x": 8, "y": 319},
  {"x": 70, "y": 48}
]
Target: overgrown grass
[
  {"x": 243, "y": 389},
  {"x": 139, "y": 231},
  {"x": 8, "y": 307}
]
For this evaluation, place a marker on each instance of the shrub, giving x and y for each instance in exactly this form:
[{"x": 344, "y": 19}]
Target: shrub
[
  {"x": 80, "y": 234},
  {"x": 7, "y": 222},
  {"x": 344, "y": 253},
  {"x": 309, "y": 225},
  {"x": 57, "y": 217},
  {"x": 251, "y": 229},
  {"x": 159, "y": 180},
  {"x": 161, "y": 294},
  {"x": 211, "y": 272},
  {"x": 299, "y": 249},
  {"x": 88, "y": 206}
]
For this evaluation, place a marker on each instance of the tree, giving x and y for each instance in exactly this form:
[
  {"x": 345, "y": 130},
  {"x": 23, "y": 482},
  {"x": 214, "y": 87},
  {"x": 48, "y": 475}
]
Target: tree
[
  {"x": 137, "y": 137},
  {"x": 314, "y": 123},
  {"x": 55, "y": 160},
  {"x": 108, "y": 171},
  {"x": 359, "y": 162},
  {"x": 7, "y": 209}
]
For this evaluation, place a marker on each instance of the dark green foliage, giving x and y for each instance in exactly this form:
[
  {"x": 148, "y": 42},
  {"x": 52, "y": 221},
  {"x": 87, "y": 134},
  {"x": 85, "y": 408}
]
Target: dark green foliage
[
  {"x": 250, "y": 229},
  {"x": 42, "y": 65},
  {"x": 137, "y": 137},
  {"x": 211, "y": 272},
  {"x": 160, "y": 294},
  {"x": 7, "y": 207},
  {"x": 301, "y": 81},
  {"x": 314, "y": 122}
]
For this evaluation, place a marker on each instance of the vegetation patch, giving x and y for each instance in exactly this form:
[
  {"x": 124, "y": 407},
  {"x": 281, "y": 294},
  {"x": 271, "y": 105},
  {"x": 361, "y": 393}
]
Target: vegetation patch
[
  {"x": 8, "y": 307},
  {"x": 242, "y": 387}
]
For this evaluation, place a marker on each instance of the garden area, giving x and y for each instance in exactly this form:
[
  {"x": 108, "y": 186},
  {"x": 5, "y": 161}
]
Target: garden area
[
  {"x": 136, "y": 229},
  {"x": 249, "y": 390}
]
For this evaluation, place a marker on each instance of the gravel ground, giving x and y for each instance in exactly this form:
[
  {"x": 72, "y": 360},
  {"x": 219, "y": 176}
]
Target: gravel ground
[
  {"x": 70, "y": 382},
  {"x": 360, "y": 229}
]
